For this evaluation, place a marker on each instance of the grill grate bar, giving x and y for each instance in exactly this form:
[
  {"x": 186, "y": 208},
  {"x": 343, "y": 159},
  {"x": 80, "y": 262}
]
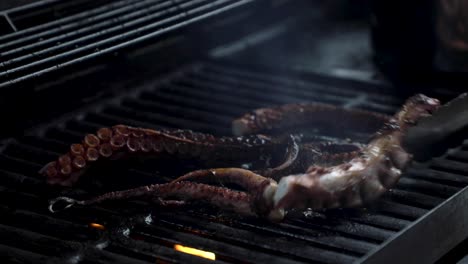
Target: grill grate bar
[
  {"x": 157, "y": 118},
  {"x": 48, "y": 144},
  {"x": 19, "y": 165},
  {"x": 19, "y": 179},
  {"x": 257, "y": 90},
  {"x": 12, "y": 25},
  {"x": 153, "y": 233},
  {"x": 64, "y": 134},
  {"x": 334, "y": 236},
  {"x": 280, "y": 246},
  {"x": 114, "y": 43},
  {"x": 29, "y": 152},
  {"x": 427, "y": 187},
  {"x": 82, "y": 126},
  {"x": 159, "y": 254},
  {"x": 295, "y": 232},
  {"x": 386, "y": 107},
  {"x": 110, "y": 120},
  {"x": 174, "y": 111},
  {"x": 16, "y": 255},
  {"x": 377, "y": 220},
  {"x": 31, "y": 16},
  {"x": 342, "y": 99},
  {"x": 301, "y": 84},
  {"x": 191, "y": 102},
  {"x": 53, "y": 227},
  {"x": 37, "y": 243},
  {"x": 27, "y": 53},
  {"x": 209, "y": 91},
  {"x": 404, "y": 211},
  {"x": 353, "y": 230},
  {"x": 413, "y": 198},
  {"x": 59, "y": 26},
  {"x": 272, "y": 236},
  {"x": 459, "y": 155},
  {"x": 337, "y": 87},
  {"x": 450, "y": 179},
  {"x": 57, "y": 229},
  {"x": 450, "y": 166},
  {"x": 93, "y": 42}
]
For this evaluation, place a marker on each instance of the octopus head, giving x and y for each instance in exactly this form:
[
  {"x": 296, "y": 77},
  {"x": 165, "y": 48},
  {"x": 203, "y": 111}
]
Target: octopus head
[{"x": 417, "y": 107}]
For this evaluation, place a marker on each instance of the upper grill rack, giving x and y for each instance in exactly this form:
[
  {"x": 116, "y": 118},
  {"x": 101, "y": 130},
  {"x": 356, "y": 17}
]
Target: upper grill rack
[
  {"x": 206, "y": 97},
  {"x": 102, "y": 30}
]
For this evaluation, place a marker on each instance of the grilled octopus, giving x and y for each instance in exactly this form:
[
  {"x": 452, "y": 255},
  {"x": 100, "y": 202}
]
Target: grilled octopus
[{"x": 317, "y": 175}]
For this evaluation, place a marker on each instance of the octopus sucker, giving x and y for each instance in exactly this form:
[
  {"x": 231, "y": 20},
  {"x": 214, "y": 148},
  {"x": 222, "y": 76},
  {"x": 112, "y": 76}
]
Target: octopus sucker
[
  {"x": 92, "y": 154},
  {"x": 317, "y": 175},
  {"x": 122, "y": 141},
  {"x": 104, "y": 134},
  {"x": 76, "y": 149}
]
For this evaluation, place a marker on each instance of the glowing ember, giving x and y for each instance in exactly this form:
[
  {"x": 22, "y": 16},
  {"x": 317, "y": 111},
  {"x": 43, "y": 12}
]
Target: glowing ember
[
  {"x": 97, "y": 226},
  {"x": 196, "y": 252}
]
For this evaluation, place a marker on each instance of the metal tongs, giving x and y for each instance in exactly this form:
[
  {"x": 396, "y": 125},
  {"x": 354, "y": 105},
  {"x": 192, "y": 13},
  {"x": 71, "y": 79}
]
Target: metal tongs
[{"x": 433, "y": 135}]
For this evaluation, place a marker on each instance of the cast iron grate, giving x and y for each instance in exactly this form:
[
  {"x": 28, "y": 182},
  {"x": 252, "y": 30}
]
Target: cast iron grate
[
  {"x": 205, "y": 97},
  {"x": 84, "y": 30}
]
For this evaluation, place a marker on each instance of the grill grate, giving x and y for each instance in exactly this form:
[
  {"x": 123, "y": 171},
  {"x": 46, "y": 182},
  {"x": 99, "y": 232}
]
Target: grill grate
[
  {"x": 101, "y": 29},
  {"x": 205, "y": 97}
]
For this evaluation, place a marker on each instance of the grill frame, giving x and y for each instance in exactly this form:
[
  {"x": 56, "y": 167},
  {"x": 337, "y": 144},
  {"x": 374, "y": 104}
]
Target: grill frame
[
  {"x": 428, "y": 247},
  {"x": 361, "y": 232}
]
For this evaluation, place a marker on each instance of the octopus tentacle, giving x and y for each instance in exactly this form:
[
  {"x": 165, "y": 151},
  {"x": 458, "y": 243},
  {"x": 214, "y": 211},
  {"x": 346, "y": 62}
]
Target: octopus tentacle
[
  {"x": 239, "y": 202},
  {"x": 169, "y": 203},
  {"x": 299, "y": 157},
  {"x": 246, "y": 179},
  {"x": 340, "y": 175},
  {"x": 259, "y": 187},
  {"x": 328, "y": 153},
  {"x": 288, "y": 116},
  {"x": 289, "y": 163},
  {"x": 364, "y": 178},
  {"x": 120, "y": 140}
]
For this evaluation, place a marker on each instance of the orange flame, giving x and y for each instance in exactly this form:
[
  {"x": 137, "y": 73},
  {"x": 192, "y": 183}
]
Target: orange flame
[
  {"x": 97, "y": 226},
  {"x": 196, "y": 252}
]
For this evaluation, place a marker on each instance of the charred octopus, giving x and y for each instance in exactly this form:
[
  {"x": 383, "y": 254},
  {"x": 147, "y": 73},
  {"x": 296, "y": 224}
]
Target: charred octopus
[{"x": 313, "y": 175}]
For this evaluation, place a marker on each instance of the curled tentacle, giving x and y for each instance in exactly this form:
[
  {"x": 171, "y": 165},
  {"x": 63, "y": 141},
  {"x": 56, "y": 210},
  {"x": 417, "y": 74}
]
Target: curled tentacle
[
  {"x": 69, "y": 202},
  {"x": 299, "y": 157},
  {"x": 239, "y": 202},
  {"x": 120, "y": 140},
  {"x": 259, "y": 187},
  {"x": 312, "y": 115},
  {"x": 363, "y": 179},
  {"x": 289, "y": 163}
]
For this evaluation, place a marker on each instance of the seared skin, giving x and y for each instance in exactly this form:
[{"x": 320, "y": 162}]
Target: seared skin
[{"x": 330, "y": 175}]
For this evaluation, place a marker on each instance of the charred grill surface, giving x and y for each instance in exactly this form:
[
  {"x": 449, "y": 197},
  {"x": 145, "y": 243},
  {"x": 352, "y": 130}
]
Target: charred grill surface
[{"x": 206, "y": 97}]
